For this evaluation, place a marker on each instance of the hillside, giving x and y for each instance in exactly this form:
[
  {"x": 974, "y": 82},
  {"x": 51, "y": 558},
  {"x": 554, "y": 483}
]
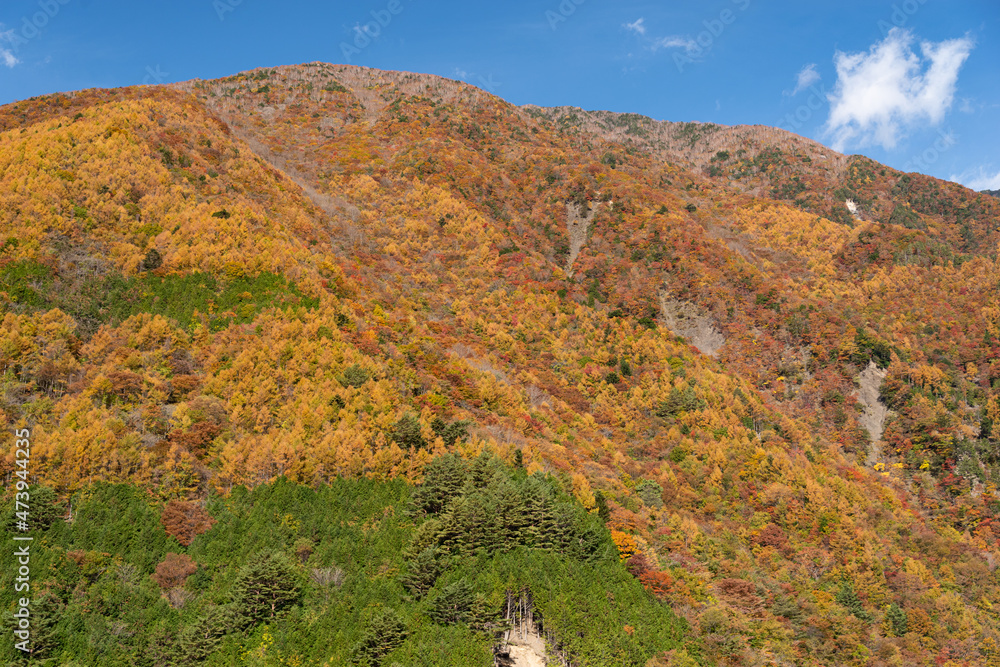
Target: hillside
[{"x": 782, "y": 411}]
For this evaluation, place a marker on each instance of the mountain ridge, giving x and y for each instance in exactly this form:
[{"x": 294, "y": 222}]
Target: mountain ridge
[{"x": 365, "y": 257}]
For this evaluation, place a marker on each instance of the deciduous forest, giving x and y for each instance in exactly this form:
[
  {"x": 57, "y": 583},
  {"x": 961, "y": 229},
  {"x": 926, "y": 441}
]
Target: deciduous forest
[{"x": 325, "y": 365}]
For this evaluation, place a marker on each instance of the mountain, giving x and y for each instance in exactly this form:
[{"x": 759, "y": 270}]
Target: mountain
[{"x": 767, "y": 371}]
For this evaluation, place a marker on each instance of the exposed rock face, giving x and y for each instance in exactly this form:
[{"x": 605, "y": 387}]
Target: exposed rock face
[
  {"x": 873, "y": 419},
  {"x": 577, "y": 225},
  {"x": 855, "y": 210},
  {"x": 686, "y": 319}
]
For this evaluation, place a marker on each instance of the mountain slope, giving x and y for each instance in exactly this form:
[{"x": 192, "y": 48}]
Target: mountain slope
[{"x": 313, "y": 271}]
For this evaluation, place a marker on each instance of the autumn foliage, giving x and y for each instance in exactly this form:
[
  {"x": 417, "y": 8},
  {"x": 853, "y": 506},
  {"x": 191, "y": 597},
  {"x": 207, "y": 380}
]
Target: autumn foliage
[
  {"x": 185, "y": 520},
  {"x": 220, "y": 284},
  {"x": 174, "y": 570}
]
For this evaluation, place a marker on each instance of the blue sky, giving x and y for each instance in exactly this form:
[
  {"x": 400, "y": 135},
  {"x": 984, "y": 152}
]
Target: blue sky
[{"x": 911, "y": 83}]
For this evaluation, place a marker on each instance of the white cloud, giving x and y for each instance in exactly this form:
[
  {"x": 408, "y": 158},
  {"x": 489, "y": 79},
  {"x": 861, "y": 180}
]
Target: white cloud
[
  {"x": 636, "y": 26},
  {"x": 460, "y": 73},
  {"x": 978, "y": 179},
  {"x": 653, "y": 44},
  {"x": 675, "y": 42},
  {"x": 6, "y": 55},
  {"x": 881, "y": 93},
  {"x": 966, "y": 106},
  {"x": 806, "y": 77}
]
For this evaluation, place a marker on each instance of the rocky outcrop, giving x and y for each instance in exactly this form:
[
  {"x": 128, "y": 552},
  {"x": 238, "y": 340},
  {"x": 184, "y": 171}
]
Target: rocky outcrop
[
  {"x": 875, "y": 411},
  {"x": 690, "y": 321},
  {"x": 577, "y": 225}
]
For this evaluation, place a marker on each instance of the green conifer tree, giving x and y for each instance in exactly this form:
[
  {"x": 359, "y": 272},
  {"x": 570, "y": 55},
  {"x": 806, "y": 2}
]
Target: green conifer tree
[
  {"x": 265, "y": 586},
  {"x": 454, "y": 604},
  {"x": 603, "y": 511},
  {"x": 898, "y": 621},
  {"x": 422, "y": 572},
  {"x": 383, "y": 633}
]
